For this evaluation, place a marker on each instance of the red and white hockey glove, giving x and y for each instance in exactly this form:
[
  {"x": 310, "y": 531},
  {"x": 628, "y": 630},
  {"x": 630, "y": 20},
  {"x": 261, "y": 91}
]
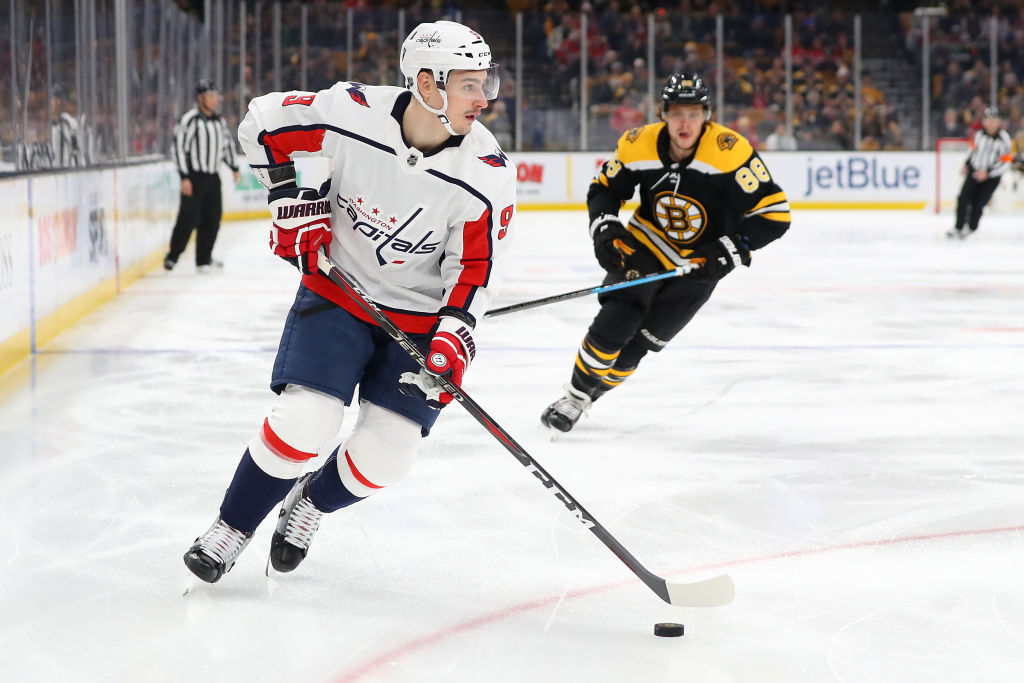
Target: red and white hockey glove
[
  {"x": 302, "y": 224},
  {"x": 451, "y": 351}
]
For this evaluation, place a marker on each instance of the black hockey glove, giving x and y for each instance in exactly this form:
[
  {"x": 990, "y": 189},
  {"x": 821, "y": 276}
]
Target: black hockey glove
[
  {"x": 721, "y": 256},
  {"x": 612, "y": 243},
  {"x": 640, "y": 263}
]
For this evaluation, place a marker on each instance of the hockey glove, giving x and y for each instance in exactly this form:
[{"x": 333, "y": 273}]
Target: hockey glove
[
  {"x": 451, "y": 350},
  {"x": 612, "y": 243},
  {"x": 302, "y": 224},
  {"x": 640, "y": 263},
  {"x": 721, "y": 256}
]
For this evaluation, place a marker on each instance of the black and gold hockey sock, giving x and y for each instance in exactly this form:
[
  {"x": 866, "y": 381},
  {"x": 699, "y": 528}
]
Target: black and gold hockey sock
[
  {"x": 593, "y": 362},
  {"x": 613, "y": 378}
]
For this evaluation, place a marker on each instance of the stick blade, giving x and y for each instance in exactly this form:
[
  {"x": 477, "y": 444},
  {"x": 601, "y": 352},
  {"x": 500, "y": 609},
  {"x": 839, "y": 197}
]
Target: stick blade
[{"x": 713, "y": 592}]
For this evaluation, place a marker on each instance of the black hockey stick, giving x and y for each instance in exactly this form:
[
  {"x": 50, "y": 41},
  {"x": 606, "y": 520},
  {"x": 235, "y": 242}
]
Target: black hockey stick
[
  {"x": 675, "y": 272},
  {"x": 708, "y": 593}
]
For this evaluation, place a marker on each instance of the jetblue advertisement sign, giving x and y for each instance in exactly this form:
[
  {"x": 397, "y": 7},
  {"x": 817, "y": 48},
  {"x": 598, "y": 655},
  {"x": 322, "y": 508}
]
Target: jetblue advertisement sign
[{"x": 857, "y": 177}]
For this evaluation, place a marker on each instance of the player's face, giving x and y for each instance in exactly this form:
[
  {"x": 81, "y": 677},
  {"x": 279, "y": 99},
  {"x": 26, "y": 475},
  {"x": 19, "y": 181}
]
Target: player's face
[
  {"x": 466, "y": 99},
  {"x": 684, "y": 124}
]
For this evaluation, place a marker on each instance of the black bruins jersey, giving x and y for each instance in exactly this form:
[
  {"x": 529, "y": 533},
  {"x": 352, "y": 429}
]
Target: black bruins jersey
[{"x": 723, "y": 188}]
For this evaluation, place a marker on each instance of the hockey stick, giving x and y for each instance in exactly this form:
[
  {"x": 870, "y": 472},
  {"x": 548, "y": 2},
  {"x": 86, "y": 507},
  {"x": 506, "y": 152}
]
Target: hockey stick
[
  {"x": 708, "y": 593},
  {"x": 675, "y": 272}
]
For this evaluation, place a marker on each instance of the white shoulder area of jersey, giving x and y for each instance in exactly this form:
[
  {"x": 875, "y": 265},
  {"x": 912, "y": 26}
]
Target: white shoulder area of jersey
[
  {"x": 370, "y": 97},
  {"x": 481, "y": 143}
]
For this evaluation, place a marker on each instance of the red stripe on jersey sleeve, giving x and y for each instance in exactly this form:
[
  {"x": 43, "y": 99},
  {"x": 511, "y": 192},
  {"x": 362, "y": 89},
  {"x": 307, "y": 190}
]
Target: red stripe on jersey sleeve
[
  {"x": 280, "y": 145},
  {"x": 476, "y": 260}
]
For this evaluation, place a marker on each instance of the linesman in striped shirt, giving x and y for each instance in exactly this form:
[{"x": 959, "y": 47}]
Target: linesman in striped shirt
[
  {"x": 990, "y": 157},
  {"x": 201, "y": 142}
]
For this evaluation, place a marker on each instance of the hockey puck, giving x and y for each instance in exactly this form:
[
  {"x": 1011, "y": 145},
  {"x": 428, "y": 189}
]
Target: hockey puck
[{"x": 668, "y": 630}]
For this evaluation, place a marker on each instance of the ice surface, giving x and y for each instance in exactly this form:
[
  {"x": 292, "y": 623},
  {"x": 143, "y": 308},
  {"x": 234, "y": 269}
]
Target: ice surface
[{"x": 840, "y": 429}]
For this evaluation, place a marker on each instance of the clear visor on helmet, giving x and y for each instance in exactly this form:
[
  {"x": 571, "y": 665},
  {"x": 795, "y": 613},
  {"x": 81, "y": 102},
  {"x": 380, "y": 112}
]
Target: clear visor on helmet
[{"x": 482, "y": 83}]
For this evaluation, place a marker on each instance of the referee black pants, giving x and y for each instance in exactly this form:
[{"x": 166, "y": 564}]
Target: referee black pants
[
  {"x": 973, "y": 197},
  {"x": 200, "y": 212}
]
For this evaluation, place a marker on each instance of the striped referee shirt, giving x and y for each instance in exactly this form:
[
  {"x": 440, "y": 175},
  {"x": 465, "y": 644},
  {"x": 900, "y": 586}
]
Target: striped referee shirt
[
  {"x": 65, "y": 138},
  {"x": 201, "y": 143},
  {"x": 991, "y": 154}
]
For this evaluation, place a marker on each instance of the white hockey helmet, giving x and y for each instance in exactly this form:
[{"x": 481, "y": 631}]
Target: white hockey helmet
[{"x": 441, "y": 47}]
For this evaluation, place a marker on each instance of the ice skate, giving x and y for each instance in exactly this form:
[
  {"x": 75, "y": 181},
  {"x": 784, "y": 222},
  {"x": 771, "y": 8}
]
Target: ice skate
[
  {"x": 297, "y": 521},
  {"x": 956, "y": 234},
  {"x": 214, "y": 553},
  {"x": 564, "y": 413},
  {"x": 212, "y": 267}
]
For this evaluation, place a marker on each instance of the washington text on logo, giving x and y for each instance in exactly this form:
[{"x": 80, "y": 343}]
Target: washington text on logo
[
  {"x": 860, "y": 173},
  {"x": 366, "y": 222}
]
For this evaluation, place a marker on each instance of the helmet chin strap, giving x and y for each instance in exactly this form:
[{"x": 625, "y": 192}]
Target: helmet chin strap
[{"x": 440, "y": 113}]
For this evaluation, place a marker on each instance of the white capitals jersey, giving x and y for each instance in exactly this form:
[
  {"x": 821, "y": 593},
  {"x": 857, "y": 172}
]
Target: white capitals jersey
[{"x": 419, "y": 232}]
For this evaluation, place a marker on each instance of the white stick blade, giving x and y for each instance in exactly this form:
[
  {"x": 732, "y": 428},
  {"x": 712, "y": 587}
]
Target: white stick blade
[{"x": 713, "y": 592}]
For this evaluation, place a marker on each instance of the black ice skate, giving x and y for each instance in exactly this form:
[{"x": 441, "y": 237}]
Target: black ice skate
[
  {"x": 297, "y": 521},
  {"x": 564, "y": 413},
  {"x": 957, "y": 234},
  {"x": 214, "y": 553}
]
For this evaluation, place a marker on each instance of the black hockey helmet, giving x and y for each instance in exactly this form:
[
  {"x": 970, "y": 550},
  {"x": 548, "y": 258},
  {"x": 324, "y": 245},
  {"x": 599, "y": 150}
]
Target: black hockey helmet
[
  {"x": 991, "y": 113},
  {"x": 205, "y": 85},
  {"x": 686, "y": 88}
]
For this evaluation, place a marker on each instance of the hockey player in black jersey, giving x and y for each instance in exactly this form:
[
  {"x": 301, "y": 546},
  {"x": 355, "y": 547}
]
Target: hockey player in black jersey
[{"x": 705, "y": 195}]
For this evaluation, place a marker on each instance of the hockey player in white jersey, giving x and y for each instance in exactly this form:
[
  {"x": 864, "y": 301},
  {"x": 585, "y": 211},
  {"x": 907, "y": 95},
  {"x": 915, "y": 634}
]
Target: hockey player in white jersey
[{"x": 418, "y": 209}]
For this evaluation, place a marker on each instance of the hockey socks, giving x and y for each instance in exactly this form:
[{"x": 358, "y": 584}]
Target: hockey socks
[
  {"x": 326, "y": 490},
  {"x": 251, "y": 495},
  {"x": 593, "y": 361}
]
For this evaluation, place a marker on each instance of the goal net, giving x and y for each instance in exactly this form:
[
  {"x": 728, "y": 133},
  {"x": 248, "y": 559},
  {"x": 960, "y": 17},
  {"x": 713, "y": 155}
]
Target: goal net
[{"x": 950, "y": 156}]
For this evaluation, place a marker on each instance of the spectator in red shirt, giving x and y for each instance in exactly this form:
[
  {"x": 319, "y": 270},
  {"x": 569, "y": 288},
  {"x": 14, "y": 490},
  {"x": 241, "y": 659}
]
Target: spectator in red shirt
[{"x": 627, "y": 115}]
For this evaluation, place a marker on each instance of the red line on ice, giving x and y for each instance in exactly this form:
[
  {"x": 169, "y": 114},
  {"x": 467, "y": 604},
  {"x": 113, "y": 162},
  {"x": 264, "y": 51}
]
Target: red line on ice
[{"x": 429, "y": 639}]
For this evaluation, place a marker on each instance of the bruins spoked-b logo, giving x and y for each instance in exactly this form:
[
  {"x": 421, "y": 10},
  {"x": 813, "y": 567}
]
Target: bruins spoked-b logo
[{"x": 682, "y": 218}]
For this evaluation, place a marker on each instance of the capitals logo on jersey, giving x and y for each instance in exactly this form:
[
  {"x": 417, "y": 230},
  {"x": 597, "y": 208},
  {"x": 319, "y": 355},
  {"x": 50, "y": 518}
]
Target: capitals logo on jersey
[
  {"x": 383, "y": 228},
  {"x": 357, "y": 94},
  {"x": 497, "y": 159}
]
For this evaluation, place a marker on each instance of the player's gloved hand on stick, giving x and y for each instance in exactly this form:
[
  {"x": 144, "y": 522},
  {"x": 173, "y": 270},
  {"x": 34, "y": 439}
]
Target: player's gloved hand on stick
[
  {"x": 302, "y": 224},
  {"x": 612, "y": 243},
  {"x": 451, "y": 350},
  {"x": 641, "y": 262},
  {"x": 721, "y": 256}
]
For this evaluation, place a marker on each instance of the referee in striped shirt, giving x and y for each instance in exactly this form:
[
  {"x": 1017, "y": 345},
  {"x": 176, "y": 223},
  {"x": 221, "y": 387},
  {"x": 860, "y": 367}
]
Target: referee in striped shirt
[
  {"x": 201, "y": 142},
  {"x": 991, "y": 154}
]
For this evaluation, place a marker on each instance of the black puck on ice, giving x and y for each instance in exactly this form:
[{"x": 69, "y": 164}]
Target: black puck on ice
[{"x": 668, "y": 630}]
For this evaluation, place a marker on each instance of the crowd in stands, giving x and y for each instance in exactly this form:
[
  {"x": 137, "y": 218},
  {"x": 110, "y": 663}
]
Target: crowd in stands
[
  {"x": 961, "y": 67},
  {"x": 614, "y": 38},
  {"x": 754, "y": 71}
]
